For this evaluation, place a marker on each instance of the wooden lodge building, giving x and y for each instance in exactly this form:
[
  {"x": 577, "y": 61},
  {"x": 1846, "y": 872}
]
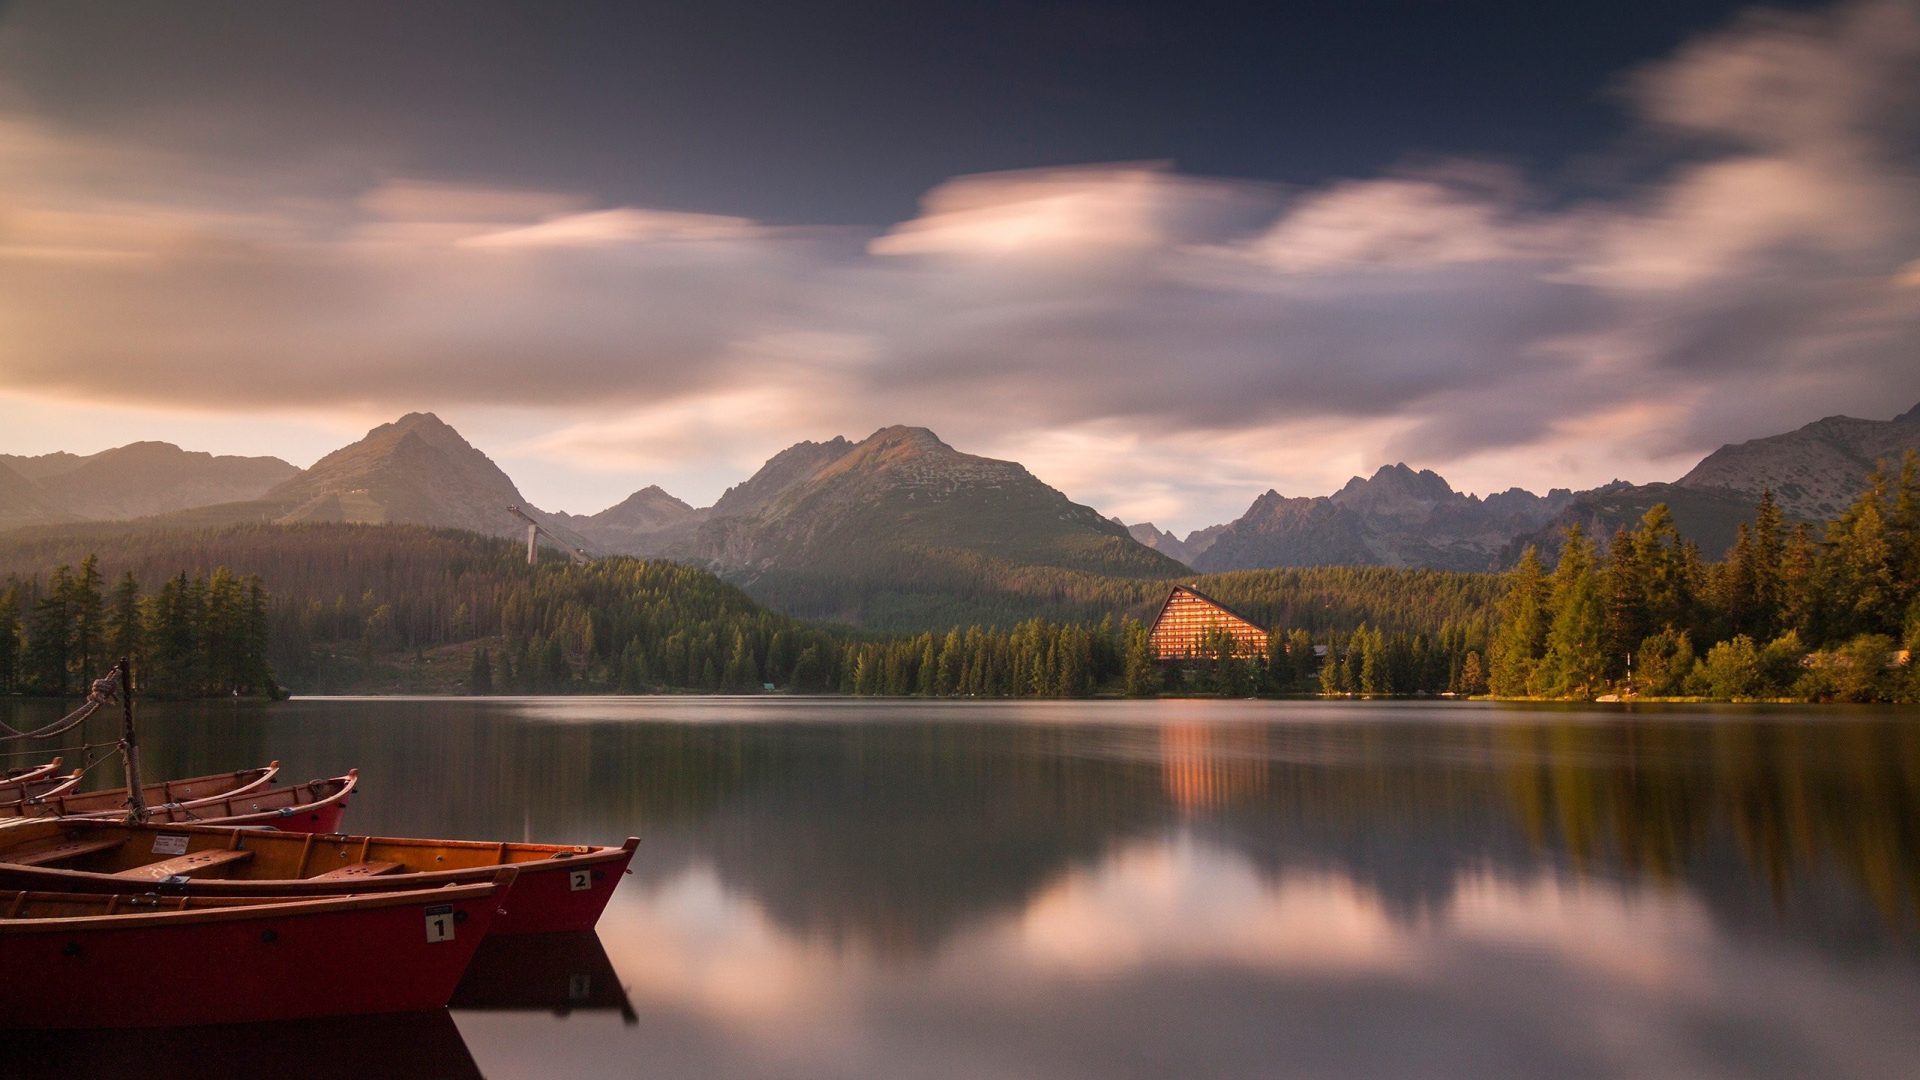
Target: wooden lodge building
[{"x": 1189, "y": 617}]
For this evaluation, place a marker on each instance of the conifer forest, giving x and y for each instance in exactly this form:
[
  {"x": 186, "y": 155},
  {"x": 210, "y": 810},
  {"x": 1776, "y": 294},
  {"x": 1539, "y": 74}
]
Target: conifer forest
[{"x": 1791, "y": 611}]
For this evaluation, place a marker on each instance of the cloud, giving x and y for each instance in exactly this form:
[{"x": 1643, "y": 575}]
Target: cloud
[{"x": 1462, "y": 315}]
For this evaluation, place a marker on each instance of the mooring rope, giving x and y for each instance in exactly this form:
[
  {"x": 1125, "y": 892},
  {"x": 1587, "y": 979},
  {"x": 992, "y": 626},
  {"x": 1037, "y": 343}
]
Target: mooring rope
[{"x": 104, "y": 690}]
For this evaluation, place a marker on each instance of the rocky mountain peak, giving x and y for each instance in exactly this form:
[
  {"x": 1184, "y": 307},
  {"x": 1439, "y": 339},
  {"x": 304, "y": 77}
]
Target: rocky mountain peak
[
  {"x": 1814, "y": 472},
  {"x": 901, "y": 435}
]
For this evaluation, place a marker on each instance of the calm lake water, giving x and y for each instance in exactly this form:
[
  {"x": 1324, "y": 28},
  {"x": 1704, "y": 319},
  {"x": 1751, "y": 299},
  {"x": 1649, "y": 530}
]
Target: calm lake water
[{"x": 1150, "y": 889}]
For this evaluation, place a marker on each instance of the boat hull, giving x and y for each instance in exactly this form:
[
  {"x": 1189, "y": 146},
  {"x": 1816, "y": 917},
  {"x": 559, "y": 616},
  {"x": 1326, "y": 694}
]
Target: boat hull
[
  {"x": 283, "y": 961},
  {"x": 172, "y": 795},
  {"x": 558, "y": 889},
  {"x": 317, "y": 806}
]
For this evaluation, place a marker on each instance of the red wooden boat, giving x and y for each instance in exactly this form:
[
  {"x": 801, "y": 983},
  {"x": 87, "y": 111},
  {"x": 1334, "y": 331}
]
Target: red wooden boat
[
  {"x": 12, "y": 795},
  {"x": 152, "y": 961},
  {"x": 22, "y": 773},
  {"x": 167, "y": 793},
  {"x": 313, "y": 807},
  {"x": 560, "y": 887}
]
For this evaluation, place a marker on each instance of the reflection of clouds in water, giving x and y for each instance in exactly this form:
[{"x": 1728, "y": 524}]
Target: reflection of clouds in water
[
  {"x": 1183, "y": 904},
  {"x": 1176, "y": 957}
]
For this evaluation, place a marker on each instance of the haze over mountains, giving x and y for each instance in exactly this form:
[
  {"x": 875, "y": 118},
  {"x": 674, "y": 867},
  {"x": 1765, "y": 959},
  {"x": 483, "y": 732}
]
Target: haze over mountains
[
  {"x": 838, "y": 528},
  {"x": 1399, "y": 517},
  {"x": 137, "y": 480}
]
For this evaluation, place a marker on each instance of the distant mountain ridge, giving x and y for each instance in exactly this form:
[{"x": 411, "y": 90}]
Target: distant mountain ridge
[
  {"x": 1164, "y": 542},
  {"x": 415, "y": 471},
  {"x": 132, "y": 481},
  {"x": 833, "y": 506},
  {"x": 900, "y": 514},
  {"x": 1397, "y": 517},
  {"x": 1815, "y": 472}
]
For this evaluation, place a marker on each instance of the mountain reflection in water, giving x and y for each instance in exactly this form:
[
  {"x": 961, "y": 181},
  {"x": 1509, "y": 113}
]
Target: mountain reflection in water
[{"x": 843, "y": 888}]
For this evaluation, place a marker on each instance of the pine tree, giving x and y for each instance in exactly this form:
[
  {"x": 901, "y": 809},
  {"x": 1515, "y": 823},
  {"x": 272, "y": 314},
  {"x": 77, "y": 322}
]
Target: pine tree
[
  {"x": 480, "y": 675},
  {"x": 87, "y": 610},
  {"x": 49, "y": 656},
  {"x": 1574, "y": 663},
  {"x": 1142, "y": 673},
  {"x": 123, "y": 619},
  {"x": 1668, "y": 569},
  {"x": 1472, "y": 679},
  {"x": 1521, "y": 638},
  {"x": 9, "y": 639}
]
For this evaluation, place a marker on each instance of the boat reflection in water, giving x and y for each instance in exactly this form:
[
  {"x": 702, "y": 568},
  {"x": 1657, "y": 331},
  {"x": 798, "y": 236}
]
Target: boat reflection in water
[
  {"x": 396, "y": 1046},
  {"x": 561, "y": 974},
  {"x": 557, "y": 973}
]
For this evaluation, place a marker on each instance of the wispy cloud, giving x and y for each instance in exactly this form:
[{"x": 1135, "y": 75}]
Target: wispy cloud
[{"x": 1462, "y": 315}]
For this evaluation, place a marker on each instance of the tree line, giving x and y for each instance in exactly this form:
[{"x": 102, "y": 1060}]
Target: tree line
[
  {"x": 192, "y": 637},
  {"x": 1790, "y": 611},
  {"x": 1787, "y": 612}
]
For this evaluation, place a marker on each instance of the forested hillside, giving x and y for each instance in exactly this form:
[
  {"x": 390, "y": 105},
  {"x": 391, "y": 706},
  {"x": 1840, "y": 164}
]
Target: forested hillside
[
  {"x": 364, "y": 607},
  {"x": 1790, "y": 611},
  {"x": 1832, "y": 614},
  {"x": 191, "y": 636}
]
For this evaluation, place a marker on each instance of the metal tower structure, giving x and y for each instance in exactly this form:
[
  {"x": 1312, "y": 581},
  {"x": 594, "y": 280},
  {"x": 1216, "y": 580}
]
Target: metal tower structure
[{"x": 534, "y": 529}]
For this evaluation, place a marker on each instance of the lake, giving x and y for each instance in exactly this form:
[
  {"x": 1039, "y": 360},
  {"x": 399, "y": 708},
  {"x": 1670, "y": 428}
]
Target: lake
[{"x": 834, "y": 888}]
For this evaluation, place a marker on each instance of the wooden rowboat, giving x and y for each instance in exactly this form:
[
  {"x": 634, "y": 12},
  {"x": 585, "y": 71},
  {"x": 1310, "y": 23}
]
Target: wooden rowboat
[
  {"x": 313, "y": 807},
  {"x": 12, "y": 795},
  {"x": 560, "y": 887},
  {"x": 190, "y": 792},
  {"x": 23, "y": 773},
  {"x": 153, "y": 961}
]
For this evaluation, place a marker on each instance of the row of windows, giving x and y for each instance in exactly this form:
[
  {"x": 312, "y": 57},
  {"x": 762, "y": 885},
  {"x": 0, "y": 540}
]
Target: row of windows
[{"x": 1188, "y": 620}]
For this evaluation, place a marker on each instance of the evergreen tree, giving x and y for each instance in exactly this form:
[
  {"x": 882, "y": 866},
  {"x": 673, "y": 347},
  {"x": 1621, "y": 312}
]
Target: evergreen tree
[
  {"x": 49, "y": 656},
  {"x": 480, "y": 675},
  {"x": 1142, "y": 677},
  {"x": 9, "y": 639},
  {"x": 1669, "y": 569},
  {"x": 87, "y": 631},
  {"x": 1472, "y": 679},
  {"x": 1574, "y": 664},
  {"x": 1521, "y": 638},
  {"x": 123, "y": 619}
]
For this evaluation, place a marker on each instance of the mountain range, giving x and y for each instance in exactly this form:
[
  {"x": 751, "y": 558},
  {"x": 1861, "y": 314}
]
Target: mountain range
[
  {"x": 1399, "y": 517},
  {"x": 137, "y": 480},
  {"x": 827, "y": 505},
  {"x": 845, "y": 529}
]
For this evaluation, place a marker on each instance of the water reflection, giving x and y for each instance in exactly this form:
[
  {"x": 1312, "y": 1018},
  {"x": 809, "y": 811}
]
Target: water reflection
[
  {"x": 1168, "y": 888},
  {"x": 559, "y": 973},
  {"x": 407, "y": 1046}
]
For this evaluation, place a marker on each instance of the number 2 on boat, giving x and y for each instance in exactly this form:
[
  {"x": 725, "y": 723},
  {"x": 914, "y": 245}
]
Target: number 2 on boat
[{"x": 579, "y": 880}]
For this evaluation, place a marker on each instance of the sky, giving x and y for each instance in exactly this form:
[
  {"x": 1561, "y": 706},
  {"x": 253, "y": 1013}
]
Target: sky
[{"x": 1168, "y": 256}]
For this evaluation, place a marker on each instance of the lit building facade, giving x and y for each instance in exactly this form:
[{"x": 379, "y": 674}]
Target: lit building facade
[{"x": 1189, "y": 618}]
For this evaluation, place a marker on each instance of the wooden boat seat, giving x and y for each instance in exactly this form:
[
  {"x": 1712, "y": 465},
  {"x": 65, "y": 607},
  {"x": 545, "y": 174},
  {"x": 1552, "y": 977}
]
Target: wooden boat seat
[
  {"x": 194, "y": 862},
  {"x": 73, "y": 849},
  {"x": 357, "y": 870}
]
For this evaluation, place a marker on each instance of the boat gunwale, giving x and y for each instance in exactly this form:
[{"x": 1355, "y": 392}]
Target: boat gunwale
[
  {"x": 55, "y": 806},
  {"x": 558, "y": 857},
  {"x": 234, "y": 909},
  {"x": 343, "y": 786}
]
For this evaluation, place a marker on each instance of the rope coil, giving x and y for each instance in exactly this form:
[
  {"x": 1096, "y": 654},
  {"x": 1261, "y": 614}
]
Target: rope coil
[{"x": 104, "y": 691}]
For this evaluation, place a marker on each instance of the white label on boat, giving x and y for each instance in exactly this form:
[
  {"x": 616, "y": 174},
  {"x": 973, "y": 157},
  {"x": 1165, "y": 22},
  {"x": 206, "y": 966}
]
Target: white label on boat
[
  {"x": 170, "y": 844},
  {"x": 440, "y": 923},
  {"x": 579, "y": 880}
]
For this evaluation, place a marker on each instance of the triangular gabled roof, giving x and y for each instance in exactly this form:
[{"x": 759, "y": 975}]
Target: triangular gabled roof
[{"x": 1198, "y": 595}]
